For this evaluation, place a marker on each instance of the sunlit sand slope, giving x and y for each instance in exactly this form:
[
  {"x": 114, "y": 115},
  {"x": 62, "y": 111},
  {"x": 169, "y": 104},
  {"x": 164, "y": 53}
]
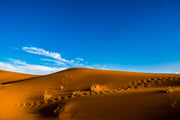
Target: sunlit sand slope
[
  {"x": 91, "y": 94},
  {"x": 7, "y": 76}
]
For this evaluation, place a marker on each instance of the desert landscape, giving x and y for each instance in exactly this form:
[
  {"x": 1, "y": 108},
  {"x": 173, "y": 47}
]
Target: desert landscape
[
  {"x": 89, "y": 94},
  {"x": 89, "y": 60}
]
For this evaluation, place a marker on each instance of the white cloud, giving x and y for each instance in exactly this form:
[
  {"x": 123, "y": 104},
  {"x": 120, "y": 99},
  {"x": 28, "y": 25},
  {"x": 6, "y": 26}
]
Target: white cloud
[
  {"x": 60, "y": 63},
  {"x": 80, "y": 59},
  {"x": 41, "y": 51},
  {"x": 23, "y": 67},
  {"x": 57, "y": 56},
  {"x": 55, "y": 61},
  {"x": 6, "y": 66},
  {"x": 18, "y": 62}
]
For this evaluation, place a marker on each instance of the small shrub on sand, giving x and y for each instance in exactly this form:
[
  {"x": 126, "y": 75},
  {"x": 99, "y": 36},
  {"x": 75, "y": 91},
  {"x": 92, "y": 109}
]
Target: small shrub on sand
[
  {"x": 169, "y": 90},
  {"x": 76, "y": 93},
  {"x": 173, "y": 104},
  {"x": 95, "y": 87},
  {"x": 46, "y": 96},
  {"x": 61, "y": 87}
]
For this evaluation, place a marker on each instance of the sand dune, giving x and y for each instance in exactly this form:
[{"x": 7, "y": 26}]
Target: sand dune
[
  {"x": 7, "y": 76},
  {"x": 89, "y": 94}
]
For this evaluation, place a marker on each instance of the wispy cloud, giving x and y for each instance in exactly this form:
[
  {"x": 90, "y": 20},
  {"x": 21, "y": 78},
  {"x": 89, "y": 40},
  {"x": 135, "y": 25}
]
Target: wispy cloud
[
  {"x": 56, "y": 56},
  {"x": 23, "y": 67},
  {"x": 17, "y": 62},
  {"x": 55, "y": 61},
  {"x": 80, "y": 59},
  {"x": 40, "y": 51}
]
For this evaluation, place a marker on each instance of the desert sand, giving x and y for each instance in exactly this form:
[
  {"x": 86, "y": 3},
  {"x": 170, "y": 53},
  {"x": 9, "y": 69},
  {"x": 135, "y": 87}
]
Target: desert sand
[{"x": 89, "y": 94}]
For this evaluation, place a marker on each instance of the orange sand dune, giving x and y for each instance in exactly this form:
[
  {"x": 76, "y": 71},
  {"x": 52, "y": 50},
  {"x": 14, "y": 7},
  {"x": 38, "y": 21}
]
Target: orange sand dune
[
  {"x": 90, "y": 94},
  {"x": 7, "y": 76}
]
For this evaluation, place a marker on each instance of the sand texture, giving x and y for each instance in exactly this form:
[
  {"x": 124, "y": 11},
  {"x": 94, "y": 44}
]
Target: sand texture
[{"x": 89, "y": 94}]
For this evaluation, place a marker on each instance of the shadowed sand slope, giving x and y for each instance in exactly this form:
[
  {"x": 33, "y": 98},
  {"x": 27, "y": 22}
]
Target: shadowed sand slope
[{"x": 91, "y": 94}]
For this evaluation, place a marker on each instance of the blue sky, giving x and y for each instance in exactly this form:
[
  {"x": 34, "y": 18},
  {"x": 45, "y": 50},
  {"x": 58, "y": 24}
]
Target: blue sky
[{"x": 131, "y": 35}]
